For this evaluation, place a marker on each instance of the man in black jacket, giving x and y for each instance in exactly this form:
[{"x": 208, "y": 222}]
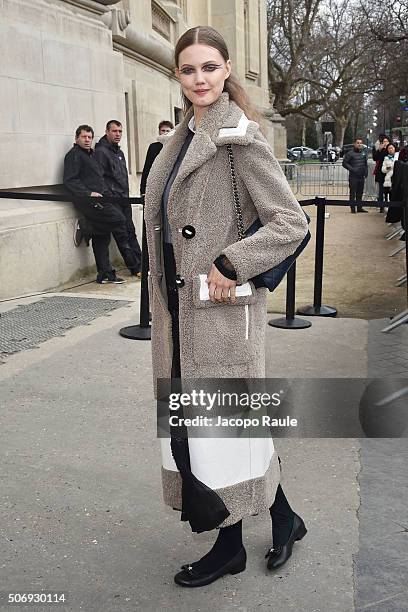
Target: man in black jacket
[
  {"x": 112, "y": 160},
  {"x": 355, "y": 161},
  {"x": 83, "y": 177}
]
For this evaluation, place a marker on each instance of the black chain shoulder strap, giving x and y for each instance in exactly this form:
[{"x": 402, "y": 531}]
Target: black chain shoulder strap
[{"x": 237, "y": 205}]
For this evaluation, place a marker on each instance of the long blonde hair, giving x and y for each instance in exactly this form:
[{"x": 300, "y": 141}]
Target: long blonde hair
[{"x": 206, "y": 35}]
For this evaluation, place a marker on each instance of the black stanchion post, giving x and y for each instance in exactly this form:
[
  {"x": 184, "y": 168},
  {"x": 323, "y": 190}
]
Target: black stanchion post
[
  {"x": 290, "y": 322},
  {"x": 143, "y": 330},
  {"x": 319, "y": 309}
]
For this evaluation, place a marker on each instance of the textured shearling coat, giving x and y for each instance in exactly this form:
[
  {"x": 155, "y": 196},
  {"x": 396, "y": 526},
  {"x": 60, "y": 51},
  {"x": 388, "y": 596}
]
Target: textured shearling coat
[{"x": 219, "y": 340}]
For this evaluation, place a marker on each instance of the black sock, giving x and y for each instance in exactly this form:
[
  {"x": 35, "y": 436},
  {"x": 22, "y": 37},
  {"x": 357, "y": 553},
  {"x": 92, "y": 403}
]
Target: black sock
[
  {"x": 282, "y": 518},
  {"x": 226, "y": 546}
]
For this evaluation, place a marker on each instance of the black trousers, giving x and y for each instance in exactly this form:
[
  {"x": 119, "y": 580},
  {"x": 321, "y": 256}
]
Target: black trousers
[
  {"x": 104, "y": 222},
  {"x": 131, "y": 236},
  {"x": 386, "y": 194},
  {"x": 356, "y": 186},
  {"x": 381, "y": 192},
  {"x": 100, "y": 247}
]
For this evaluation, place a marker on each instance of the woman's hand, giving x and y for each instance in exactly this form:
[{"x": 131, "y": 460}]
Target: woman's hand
[{"x": 220, "y": 289}]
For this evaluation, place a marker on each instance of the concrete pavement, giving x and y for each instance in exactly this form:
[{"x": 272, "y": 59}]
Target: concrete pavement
[{"x": 81, "y": 508}]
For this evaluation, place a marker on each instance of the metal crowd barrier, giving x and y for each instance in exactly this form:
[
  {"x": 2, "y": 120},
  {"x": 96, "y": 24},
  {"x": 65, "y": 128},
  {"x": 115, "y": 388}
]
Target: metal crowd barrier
[{"x": 325, "y": 179}]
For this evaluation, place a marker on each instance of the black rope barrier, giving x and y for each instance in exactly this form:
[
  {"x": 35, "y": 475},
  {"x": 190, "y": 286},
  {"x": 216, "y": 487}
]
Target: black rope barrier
[
  {"x": 58, "y": 197},
  {"x": 142, "y": 331}
]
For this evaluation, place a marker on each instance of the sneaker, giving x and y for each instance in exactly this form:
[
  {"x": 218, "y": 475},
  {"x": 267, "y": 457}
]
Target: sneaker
[{"x": 109, "y": 277}]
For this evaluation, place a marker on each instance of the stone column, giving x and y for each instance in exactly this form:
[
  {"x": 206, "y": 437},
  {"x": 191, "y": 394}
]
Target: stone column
[{"x": 277, "y": 131}]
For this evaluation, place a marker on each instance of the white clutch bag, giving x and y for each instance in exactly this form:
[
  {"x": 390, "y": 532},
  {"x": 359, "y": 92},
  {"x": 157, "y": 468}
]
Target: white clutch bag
[{"x": 240, "y": 290}]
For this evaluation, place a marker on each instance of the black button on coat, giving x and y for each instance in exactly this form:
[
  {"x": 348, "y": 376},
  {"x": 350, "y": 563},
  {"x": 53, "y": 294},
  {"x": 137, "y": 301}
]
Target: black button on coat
[{"x": 188, "y": 231}]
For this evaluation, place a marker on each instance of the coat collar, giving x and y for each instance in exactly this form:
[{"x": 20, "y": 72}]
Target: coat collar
[
  {"x": 104, "y": 142},
  {"x": 223, "y": 123}
]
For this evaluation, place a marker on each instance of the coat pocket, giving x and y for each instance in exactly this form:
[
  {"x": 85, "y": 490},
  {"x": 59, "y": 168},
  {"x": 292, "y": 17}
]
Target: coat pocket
[{"x": 222, "y": 332}]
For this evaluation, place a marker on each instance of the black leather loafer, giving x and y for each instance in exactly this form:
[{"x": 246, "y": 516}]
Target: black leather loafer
[
  {"x": 189, "y": 577},
  {"x": 279, "y": 555}
]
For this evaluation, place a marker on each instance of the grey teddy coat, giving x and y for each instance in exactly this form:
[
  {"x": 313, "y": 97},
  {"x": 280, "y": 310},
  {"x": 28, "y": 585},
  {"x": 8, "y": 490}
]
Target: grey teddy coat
[{"x": 219, "y": 340}]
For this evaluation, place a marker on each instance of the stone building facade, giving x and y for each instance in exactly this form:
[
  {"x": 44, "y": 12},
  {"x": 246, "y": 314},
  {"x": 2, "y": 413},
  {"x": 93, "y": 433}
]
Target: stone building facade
[{"x": 67, "y": 62}]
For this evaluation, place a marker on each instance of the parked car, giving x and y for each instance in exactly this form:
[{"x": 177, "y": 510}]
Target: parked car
[
  {"x": 348, "y": 147},
  {"x": 291, "y": 155},
  {"x": 305, "y": 152},
  {"x": 328, "y": 155}
]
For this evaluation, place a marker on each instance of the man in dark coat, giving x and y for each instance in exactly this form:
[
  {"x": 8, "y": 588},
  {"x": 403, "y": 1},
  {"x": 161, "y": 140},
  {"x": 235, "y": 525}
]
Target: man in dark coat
[
  {"x": 152, "y": 152},
  {"x": 112, "y": 160},
  {"x": 83, "y": 177},
  {"x": 355, "y": 161}
]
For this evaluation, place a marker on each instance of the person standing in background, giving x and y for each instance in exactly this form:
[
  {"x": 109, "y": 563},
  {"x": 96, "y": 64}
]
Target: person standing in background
[
  {"x": 387, "y": 168},
  {"x": 113, "y": 163},
  {"x": 83, "y": 177},
  {"x": 165, "y": 127},
  {"x": 379, "y": 153},
  {"x": 355, "y": 161}
]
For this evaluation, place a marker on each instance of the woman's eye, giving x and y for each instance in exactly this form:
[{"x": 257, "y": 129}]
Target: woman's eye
[{"x": 207, "y": 68}]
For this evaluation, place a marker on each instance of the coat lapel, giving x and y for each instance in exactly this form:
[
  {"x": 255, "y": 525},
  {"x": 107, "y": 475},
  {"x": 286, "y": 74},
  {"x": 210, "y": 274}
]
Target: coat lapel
[
  {"x": 202, "y": 147},
  {"x": 220, "y": 125}
]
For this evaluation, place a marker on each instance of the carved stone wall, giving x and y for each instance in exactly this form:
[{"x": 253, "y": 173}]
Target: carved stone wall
[
  {"x": 57, "y": 70},
  {"x": 68, "y": 62}
]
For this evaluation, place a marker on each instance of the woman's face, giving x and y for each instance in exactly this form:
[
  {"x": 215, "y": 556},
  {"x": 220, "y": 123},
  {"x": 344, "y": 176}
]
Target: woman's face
[
  {"x": 202, "y": 72},
  {"x": 391, "y": 149}
]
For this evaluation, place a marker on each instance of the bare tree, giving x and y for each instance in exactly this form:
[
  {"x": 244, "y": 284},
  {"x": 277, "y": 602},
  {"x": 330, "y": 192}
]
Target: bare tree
[
  {"x": 347, "y": 71},
  {"x": 321, "y": 58},
  {"x": 388, "y": 24},
  {"x": 290, "y": 24},
  {"x": 388, "y": 21}
]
